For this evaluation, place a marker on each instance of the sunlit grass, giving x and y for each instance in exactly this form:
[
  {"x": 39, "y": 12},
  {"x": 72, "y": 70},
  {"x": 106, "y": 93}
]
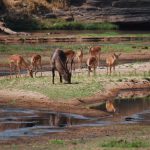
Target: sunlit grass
[{"x": 80, "y": 87}]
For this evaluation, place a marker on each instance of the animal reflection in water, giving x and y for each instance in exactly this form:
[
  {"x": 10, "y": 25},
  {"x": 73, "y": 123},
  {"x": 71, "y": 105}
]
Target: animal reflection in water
[
  {"x": 59, "y": 121},
  {"x": 110, "y": 106}
]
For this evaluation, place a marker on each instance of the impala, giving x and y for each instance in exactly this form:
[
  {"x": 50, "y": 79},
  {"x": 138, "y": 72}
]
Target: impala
[
  {"x": 111, "y": 61},
  {"x": 36, "y": 63},
  {"x": 92, "y": 63},
  {"x": 95, "y": 51},
  {"x": 18, "y": 61},
  {"x": 79, "y": 56}
]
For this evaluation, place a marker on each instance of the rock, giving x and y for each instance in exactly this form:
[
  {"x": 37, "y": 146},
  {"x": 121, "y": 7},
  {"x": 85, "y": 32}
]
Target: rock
[
  {"x": 6, "y": 30},
  {"x": 115, "y": 11},
  {"x": 50, "y": 15}
]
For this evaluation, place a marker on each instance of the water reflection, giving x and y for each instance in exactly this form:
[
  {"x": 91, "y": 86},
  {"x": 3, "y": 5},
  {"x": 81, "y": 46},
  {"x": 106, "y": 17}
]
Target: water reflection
[{"x": 16, "y": 122}]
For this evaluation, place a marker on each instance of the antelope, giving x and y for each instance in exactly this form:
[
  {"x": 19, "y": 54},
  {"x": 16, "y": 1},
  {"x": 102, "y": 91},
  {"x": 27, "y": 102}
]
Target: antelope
[
  {"x": 70, "y": 54},
  {"x": 95, "y": 51},
  {"x": 79, "y": 56},
  {"x": 92, "y": 62},
  {"x": 110, "y": 106},
  {"x": 111, "y": 61},
  {"x": 36, "y": 63},
  {"x": 18, "y": 61},
  {"x": 59, "y": 63}
]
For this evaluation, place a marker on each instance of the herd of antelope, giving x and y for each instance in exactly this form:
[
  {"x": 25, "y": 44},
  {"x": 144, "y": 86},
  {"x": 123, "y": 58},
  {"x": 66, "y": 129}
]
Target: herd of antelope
[{"x": 63, "y": 62}]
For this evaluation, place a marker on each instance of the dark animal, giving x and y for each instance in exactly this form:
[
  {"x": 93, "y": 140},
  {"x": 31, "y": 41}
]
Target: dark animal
[
  {"x": 70, "y": 54},
  {"x": 59, "y": 63}
]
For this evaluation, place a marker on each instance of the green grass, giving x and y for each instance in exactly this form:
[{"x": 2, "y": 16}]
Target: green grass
[
  {"x": 29, "y": 48},
  {"x": 112, "y": 34},
  {"x": 80, "y": 87},
  {"x": 20, "y": 48},
  {"x": 60, "y": 142},
  {"x": 100, "y": 143},
  {"x": 82, "y": 26},
  {"x": 102, "y": 34},
  {"x": 118, "y": 48},
  {"x": 125, "y": 144}
]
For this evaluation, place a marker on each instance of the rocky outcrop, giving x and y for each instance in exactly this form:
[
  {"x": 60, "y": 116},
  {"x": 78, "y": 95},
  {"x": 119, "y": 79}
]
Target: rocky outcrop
[
  {"x": 110, "y": 10},
  {"x": 115, "y": 11}
]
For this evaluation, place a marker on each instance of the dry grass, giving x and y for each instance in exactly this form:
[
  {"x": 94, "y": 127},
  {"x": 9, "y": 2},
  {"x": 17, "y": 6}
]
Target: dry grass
[{"x": 32, "y": 5}]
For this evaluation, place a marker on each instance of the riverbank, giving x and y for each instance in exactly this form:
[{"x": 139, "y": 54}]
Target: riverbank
[{"x": 73, "y": 36}]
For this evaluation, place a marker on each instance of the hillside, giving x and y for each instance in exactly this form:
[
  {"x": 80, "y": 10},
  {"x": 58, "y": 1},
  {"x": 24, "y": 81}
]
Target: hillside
[{"x": 124, "y": 12}]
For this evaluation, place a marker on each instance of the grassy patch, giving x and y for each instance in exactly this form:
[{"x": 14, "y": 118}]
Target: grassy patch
[
  {"x": 106, "y": 33},
  {"x": 20, "y": 48},
  {"x": 59, "y": 142},
  {"x": 82, "y": 26},
  {"x": 85, "y": 144},
  {"x": 29, "y": 48},
  {"x": 125, "y": 144},
  {"x": 81, "y": 86},
  {"x": 112, "y": 33}
]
